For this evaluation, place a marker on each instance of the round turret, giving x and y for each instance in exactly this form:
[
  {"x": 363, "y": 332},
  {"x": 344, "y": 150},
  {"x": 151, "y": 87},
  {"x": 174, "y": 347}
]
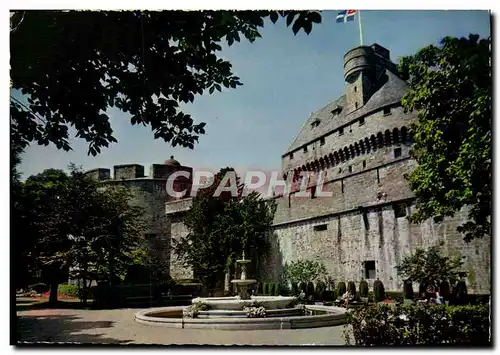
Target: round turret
[
  {"x": 359, "y": 59},
  {"x": 172, "y": 161}
]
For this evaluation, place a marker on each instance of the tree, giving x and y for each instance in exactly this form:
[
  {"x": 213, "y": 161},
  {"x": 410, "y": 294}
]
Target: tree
[
  {"x": 74, "y": 65},
  {"x": 303, "y": 271},
  {"x": 429, "y": 267},
  {"x": 220, "y": 228},
  {"x": 47, "y": 225},
  {"x": 451, "y": 88},
  {"x": 78, "y": 227}
]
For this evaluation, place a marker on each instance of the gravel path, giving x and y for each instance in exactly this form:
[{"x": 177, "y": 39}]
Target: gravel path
[{"x": 118, "y": 327}]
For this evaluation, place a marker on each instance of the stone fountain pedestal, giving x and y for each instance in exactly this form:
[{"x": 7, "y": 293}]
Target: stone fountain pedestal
[{"x": 242, "y": 283}]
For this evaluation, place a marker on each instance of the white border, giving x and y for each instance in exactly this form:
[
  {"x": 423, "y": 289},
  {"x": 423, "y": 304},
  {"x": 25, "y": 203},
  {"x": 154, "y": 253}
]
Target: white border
[{"x": 184, "y": 5}]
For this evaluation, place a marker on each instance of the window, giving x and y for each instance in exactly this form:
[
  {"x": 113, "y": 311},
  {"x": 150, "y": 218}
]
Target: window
[
  {"x": 397, "y": 152},
  {"x": 350, "y": 168},
  {"x": 305, "y": 149},
  {"x": 364, "y": 164},
  {"x": 291, "y": 156},
  {"x": 355, "y": 89},
  {"x": 320, "y": 227},
  {"x": 315, "y": 123},
  {"x": 399, "y": 210},
  {"x": 370, "y": 269},
  {"x": 340, "y": 170},
  {"x": 387, "y": 110},
  {"x": 361, "y": 121},
  {"x": 356, "y": 104},
  {"x": 341, "y": 131},
  {"x": 322, "y": 141}
]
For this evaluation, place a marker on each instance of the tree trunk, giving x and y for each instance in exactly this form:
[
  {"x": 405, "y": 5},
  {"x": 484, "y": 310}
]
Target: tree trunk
[{"x": 53, "y": 293}]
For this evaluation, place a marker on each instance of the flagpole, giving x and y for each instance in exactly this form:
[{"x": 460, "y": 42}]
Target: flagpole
[{"x": 360, "y": 28}]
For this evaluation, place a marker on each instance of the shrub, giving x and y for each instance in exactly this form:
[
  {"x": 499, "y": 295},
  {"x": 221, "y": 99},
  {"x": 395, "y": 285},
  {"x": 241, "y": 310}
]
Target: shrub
[
  {"x": 363, "y": 288},
  {"x": 444, "y": 290},
  {"x": 379, "y": 324},
  {"x": 310, "y": 289},
  {"x": 408, "y": 290},
  {"x": 341, "y": 288},
  {"x": 378, "y": 291},
  {"x": 69, "y": 290},
  {"x": 394, "y": 295},
  {"x": 351, "y": 286},
  {"x": 320, "y": 289},
  {"x": 276, "y": 289},
  {"x": 265, "y": 289},
  {"x": 295, "y": 289}
]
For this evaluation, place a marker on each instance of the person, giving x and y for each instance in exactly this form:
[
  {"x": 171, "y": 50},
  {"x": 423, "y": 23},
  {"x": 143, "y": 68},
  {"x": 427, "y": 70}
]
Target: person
[
  {"x": 439, "y": 299},
  {"x": 348, "y": 297}
]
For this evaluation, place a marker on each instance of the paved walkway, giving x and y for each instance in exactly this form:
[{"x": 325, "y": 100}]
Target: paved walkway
[{"x": 118, "y": 327}]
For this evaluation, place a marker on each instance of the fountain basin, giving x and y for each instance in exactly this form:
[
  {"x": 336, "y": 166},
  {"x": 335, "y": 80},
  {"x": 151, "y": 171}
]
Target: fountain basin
[
  {"x": 171, "y": 317},
  {"x": 237, "y": 304}
]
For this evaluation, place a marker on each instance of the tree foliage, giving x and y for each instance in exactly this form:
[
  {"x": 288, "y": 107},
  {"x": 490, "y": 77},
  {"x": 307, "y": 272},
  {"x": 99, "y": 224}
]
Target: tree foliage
[
  {"x": 73, "y": 224},
  {"x": 221, "y": 228},
  {"x": 304, "y": 271},
  {"x": 451, "y": 88},
  {"x": 74, "y": 65},
  {"x": 429, "y": 267}
]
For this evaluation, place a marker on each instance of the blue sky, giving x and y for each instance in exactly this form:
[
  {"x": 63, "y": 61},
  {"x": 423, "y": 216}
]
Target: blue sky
[{"x": 285, "y": 78}]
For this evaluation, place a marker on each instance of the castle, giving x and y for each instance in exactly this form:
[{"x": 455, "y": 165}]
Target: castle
[{"x": 360, "y": 143}]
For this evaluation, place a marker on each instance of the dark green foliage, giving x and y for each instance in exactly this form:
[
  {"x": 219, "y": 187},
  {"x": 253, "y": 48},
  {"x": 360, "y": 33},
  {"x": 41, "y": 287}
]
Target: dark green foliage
[
  {"x": 320, "y": 290},
  {"x": 69, "y": 290},
  {"x": 363, "y": 288},
  {"x": 103, "y": 226},
  {"x": 408, "y": 290},
  {"x": 444, "y": 289},
  {"x": 221, "y": 228},
  {"x": 378, "y": 291},
  {"x": 276, "y": 290},
  {"x": 75, "y": 65},
  {"x": 452, "y": 139},
  {"x": 380, "y": 324},
  {"x": 341, "y": 288},
  {"x": 430, "y": 267},
  {"x": 265, "y": 289},
  {"x": 395, "y": 296},
  {"x": 310, "y": 289},
  {"x": 295, "y": 289},
  {"x": 351, "y": 286}
]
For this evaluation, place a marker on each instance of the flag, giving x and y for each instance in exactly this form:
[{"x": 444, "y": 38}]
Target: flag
[{"x": 346, "y": 15}]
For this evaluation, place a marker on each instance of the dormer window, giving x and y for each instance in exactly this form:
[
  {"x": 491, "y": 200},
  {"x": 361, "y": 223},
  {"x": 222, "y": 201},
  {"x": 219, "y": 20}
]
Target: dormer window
[
  {"x": 315, "y": 123},
  {"x": 337, "y": 110}
]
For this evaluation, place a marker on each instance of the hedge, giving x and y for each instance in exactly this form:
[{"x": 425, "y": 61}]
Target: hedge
[
  {"x": 377, "y": 324},
  {"x": 69, "y": 290}
]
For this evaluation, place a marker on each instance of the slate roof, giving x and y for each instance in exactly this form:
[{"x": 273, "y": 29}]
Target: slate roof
[{"x": 391, "y": 90}]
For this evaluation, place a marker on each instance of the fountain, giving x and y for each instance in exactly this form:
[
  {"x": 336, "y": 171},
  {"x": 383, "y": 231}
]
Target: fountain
[
  {"x": 243, "y": 312},
  {"x": 242, "y": 284}
]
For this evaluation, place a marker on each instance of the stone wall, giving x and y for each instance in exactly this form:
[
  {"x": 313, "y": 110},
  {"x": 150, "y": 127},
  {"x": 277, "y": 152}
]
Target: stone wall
[
  {"x": 373, "y": 235},
  {"x": 150, "y": 195},
  {"x": 128, "y": 171}
]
